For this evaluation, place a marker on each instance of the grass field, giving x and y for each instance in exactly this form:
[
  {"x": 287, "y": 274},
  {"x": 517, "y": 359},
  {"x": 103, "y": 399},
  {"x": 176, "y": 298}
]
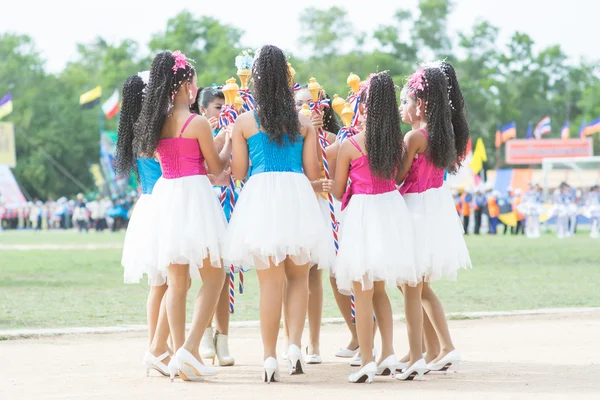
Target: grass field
[{"x": 59, "y": 288}]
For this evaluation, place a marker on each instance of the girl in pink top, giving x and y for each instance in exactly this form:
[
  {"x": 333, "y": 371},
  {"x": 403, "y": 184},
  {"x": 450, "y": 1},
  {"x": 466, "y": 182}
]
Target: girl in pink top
[
  {"x": 189, "y": 222},
  {"x": 376, "y": 237},
  {"x": 436, "y": 143}
]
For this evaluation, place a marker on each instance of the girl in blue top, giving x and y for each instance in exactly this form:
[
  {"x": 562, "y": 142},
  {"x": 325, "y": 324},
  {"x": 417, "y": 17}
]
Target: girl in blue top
[
  {"x": 277, "y": 225},
  {"x": 138, "y": 238}
]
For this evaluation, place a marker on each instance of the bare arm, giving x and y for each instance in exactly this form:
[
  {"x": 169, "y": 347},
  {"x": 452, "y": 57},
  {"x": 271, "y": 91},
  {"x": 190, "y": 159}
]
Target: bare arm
[
  {"x": 332, "y": 153},
  {"x": 342, "y": 170},
  {"x": 239, "y": 165},
  {"x": 416, "y": 143},
  {"x": 220, "y": 139},
  {"x": 216, "y": 162},
  {"x": 310, "y": 161}
]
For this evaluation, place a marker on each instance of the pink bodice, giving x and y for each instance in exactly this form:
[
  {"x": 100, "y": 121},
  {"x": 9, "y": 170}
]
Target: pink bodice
[
  {"x": 423, "y": 175},
  {"x": 362, "y": 181},
  {"x": 181, "y": 156}
]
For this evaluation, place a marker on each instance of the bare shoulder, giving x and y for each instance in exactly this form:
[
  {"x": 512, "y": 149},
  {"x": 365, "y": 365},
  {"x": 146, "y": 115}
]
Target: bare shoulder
[
  {"x": 245, "y": 117},
  {"x": 198, "y": 124},
  {"x": 417, "y": 141},
  {"x": 350, "y": 149},
  {"x": 413, "y": 133}
]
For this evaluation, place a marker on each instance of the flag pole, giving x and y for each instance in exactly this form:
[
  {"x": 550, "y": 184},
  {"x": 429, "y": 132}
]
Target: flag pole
[{"x": 101, "y": 128}]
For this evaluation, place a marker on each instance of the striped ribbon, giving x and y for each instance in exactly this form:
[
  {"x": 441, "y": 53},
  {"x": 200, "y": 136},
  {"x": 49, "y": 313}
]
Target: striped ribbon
[
  {"x": 227, "y": 116},
  {"x": 249, "y": 103},
  {"x": 345, "y": 133},
  {"x": 231, "y": 289},
  {"x": 354, "y": 101}
]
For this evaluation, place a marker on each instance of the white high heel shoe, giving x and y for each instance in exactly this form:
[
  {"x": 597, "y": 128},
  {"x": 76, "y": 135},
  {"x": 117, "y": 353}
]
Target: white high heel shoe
[
  {"x": 389, "y": 366},
  {"x": 418, "y": 369},
  {"x": 356, "y": 361},
  {"x": 190, "y": 368},
  {"x": 207, "y": 344},
  {"x": 295, "y": 360},
  {"x": 347, "y": 353},
  {"x": 173, "y": 369},
  {"x": 156, "y": 363},
  {"x": 365, "y": 375},
  {"x": 222, "y": 351},
  {"x": 450, "y": 359},
  {"x": 312, "y": 358},
  {"x": 271, "y": 370}
]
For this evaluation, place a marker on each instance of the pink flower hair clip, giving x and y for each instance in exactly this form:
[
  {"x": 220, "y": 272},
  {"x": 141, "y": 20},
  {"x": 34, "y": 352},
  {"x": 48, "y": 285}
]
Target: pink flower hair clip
[
  {"x": 416, "y": 79},
  {"x": 181, "y": 61}
]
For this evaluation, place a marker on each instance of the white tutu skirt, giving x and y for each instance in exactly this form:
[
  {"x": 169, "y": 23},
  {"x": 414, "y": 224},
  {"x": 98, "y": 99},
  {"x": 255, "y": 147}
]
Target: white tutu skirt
[
  {"x": 139, "y": 242},
  {"x": 324, "y": 206},
  {"x": 189, "y": 224},
  {"x": 376, "y": 243},
  {"x": 440, "y": 247},
  {"x": 277, "y": 215}
]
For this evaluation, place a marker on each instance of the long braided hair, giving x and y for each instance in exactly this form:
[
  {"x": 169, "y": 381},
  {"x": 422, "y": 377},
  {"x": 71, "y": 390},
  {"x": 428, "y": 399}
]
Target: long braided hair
[
  {"x": 459, "y": 118},
  {"x": 162, "y": 88},
  {"x": 384, "y": 140},
  {"x": 133, "y": 89},
  {"x": 330, "y": 121},
  {"x": 275, "y": 104},
  {"x": 430, "y": 85}
]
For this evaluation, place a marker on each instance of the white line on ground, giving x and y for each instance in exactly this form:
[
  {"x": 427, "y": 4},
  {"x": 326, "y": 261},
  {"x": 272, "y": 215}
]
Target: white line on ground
[
  {"x": 20, "y": 333},
  {"x": 26, "y": 247}
]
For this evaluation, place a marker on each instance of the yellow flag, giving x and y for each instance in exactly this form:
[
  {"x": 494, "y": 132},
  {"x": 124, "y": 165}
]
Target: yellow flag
[
  {"x": 479, "y": 157},
  {"x": 91, "y": 98},
  {"x": 8, "y": 155}
]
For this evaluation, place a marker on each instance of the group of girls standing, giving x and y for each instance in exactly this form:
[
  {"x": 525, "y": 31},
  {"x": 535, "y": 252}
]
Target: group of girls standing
[{"x": 400, "y": 237}]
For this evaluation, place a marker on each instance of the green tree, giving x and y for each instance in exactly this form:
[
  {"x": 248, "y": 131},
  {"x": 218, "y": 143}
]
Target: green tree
[{"x": 212, "y": 45}]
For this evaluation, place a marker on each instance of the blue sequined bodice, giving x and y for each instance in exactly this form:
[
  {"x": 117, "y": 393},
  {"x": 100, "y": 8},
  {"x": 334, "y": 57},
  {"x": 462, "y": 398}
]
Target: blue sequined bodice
[
  {"x": 268, "y": 156},
  {"x": 149, "y": 171}
]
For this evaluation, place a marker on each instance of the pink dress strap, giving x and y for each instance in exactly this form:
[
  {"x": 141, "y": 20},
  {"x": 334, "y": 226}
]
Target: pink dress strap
[
  {"x": 424, "y": 132},
  {"x": 356, "y": 145},
  {"x": 187, "y": 123}
]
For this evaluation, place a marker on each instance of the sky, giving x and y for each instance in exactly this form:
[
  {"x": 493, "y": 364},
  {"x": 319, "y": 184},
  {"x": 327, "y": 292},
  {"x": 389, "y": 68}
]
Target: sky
[{"x": 57, "y": 26}]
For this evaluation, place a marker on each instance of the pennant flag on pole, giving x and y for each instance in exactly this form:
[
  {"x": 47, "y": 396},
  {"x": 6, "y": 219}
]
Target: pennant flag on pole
[
  {"x": 529, "y": 134},
  {"x": 565, "y": 132},
  {"x": 498, "y": 142},
  {"x": 479, "y": 157},
  {"x": 91, "y": 98},
  {"x": 6, "y": 106},
  {"x": 542, "y": 128},
  {"x": 509, "y": 131},
  {"x": 111, "y": 106},
  {"x": 592, "y": 127}
]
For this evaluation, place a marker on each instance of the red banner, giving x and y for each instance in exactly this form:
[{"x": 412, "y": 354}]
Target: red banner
[{"x": 531, "y": 151}]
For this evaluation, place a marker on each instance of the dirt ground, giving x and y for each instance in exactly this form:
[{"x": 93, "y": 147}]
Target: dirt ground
[{"x": 527, "y": 357}]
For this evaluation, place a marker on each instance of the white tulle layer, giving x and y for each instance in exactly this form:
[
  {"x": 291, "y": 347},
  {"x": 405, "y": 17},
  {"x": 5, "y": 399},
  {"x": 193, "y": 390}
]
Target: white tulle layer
[
  {"x": 189, "y": 225},
  {"x": 277, "y": 215},
  {"x": 139, "y": 243},
  {"x": 440, "y": 248},
  {"x": 376, "y": 243}
]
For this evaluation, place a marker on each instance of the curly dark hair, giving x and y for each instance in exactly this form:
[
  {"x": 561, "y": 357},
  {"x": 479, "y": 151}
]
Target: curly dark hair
[
  {"x": 384, "y": 140},
  {"x": 275, "y": 104},
  {"x": 330, "y": 121},
  {"x": 130, "y": 111},
  {"x": 163, "y": 86},
  {"x": 434, "y": 93},
  {"x": 459, "y": 118}
]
